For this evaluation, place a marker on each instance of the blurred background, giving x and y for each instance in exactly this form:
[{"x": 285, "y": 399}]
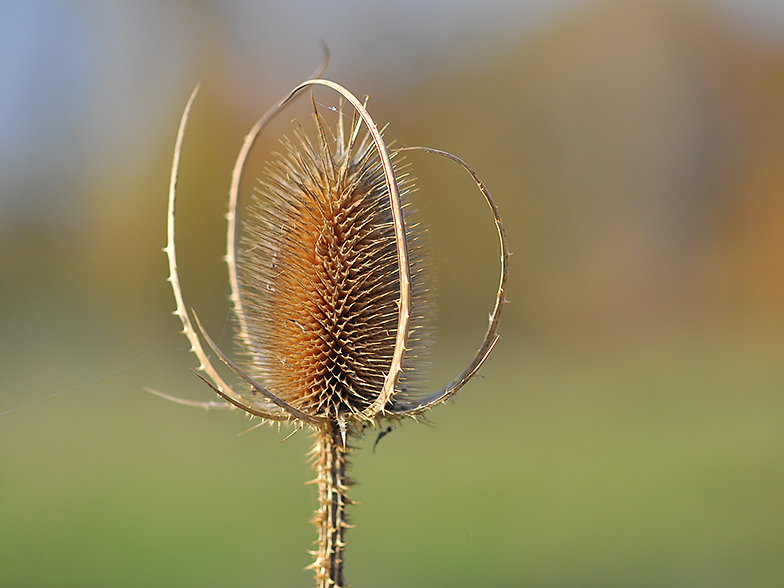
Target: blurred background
[{"x": 628, "y": 429}]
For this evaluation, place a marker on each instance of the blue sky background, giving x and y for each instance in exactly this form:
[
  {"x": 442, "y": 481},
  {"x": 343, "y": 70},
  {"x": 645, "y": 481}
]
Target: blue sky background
[{"x": 83, "y": 81}]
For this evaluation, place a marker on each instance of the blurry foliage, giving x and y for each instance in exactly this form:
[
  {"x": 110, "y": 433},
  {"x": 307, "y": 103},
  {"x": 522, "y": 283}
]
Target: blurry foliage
[{"x": 635, "y": 149}]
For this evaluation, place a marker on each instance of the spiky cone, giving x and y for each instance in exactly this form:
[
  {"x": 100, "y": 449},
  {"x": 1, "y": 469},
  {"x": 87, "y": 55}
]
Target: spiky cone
[
  {"x": 330, "y": 299},
  {"x": 319, "y": 278}
]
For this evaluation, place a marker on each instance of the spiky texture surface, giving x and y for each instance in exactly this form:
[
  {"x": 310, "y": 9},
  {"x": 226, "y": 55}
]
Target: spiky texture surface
[{"x": 319, "y": 276}]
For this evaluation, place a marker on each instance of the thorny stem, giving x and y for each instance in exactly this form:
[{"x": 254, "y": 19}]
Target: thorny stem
[{"x": 330, "y": 462}]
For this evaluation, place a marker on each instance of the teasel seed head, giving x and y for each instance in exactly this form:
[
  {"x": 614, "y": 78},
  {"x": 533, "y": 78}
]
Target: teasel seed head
[{"x": 319, "y": 278}]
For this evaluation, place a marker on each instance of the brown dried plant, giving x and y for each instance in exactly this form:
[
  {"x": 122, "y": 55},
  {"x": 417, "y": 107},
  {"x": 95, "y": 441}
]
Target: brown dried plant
[{"x": 330, "y": 298}]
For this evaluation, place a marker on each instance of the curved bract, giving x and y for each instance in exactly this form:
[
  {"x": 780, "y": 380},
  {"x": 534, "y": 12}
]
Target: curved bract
[
  {"x": 268, "y": 412},
  {"x": 491, "y": 336}
]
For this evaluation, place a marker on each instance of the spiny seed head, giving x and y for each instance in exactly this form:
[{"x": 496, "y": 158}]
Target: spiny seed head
[{"x": 319, "y": 276}]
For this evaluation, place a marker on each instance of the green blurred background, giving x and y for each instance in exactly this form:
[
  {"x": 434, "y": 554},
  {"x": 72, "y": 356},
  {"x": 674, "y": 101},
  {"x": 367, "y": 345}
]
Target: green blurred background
[{"x": 627, "y": 431}]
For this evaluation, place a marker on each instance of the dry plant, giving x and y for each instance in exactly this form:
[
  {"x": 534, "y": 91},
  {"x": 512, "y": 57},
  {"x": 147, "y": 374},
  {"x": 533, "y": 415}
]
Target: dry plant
[{"x": 330, "y": 297}]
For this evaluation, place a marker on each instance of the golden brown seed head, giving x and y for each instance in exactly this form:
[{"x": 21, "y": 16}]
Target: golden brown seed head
[{"x": 319, "y": 277}]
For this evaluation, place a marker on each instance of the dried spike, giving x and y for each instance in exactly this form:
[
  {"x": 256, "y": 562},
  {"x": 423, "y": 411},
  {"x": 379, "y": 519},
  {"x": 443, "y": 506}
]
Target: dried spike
[
  {"x": 199, "y": 404},
  {"x": 325, "y": 152}
]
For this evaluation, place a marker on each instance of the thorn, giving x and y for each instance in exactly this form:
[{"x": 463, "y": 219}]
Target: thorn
[
  {"x": 342, "y": 424},
  {"x": 287, "y": 437}
]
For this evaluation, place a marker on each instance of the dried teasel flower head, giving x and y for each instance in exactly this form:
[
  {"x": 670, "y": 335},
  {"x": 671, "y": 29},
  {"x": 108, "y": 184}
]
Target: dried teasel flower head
[
  {"x": 330, "y": 296},
  {"x": 318, "y": 276}
]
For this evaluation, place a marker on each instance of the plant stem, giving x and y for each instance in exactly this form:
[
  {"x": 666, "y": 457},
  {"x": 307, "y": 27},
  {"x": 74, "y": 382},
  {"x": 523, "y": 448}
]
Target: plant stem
[{"x": 330, "y": 461}]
